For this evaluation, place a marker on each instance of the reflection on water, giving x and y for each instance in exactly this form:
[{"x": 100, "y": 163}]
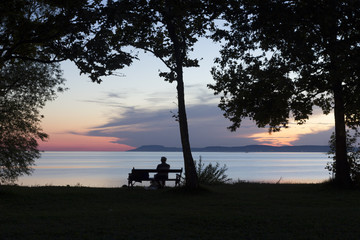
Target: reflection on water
[{"x": 110, "y": 169}]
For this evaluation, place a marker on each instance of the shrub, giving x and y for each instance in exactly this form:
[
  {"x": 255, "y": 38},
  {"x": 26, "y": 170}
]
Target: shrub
[{"x": 211, "y": 174}]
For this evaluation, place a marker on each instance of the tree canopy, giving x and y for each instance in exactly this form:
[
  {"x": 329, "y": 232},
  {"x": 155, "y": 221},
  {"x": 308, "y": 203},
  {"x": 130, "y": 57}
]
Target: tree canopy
[
  {"x": 50, "y": 31},
  {"x": 283, "y": 58},
  {"x": 24, "y": 89}
]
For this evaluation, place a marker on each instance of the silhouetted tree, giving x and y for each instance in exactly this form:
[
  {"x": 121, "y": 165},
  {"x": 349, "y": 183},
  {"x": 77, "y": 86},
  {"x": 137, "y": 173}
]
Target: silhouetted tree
[
  {"x": 168, "y": 29},
  {"x": 282, "y": 58},
  {"x": 24, "y": 89},
  {"x": 34, "y": 36}
]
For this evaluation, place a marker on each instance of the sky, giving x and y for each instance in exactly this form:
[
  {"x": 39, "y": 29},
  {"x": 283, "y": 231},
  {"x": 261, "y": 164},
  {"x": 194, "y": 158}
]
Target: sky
[{"x": 135, "y": 109}]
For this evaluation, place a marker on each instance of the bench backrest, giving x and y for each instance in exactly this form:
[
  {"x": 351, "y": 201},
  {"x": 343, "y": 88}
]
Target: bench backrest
[
  {"x": 139, "y": 175},
  {"x": 156, "y": 170}
]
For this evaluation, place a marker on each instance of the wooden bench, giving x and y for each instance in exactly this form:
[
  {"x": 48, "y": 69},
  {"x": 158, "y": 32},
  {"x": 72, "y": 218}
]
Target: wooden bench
[{"x": 139, "y": 175}]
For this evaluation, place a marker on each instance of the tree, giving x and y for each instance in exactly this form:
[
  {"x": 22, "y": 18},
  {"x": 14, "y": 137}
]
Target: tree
[
  {"x": 34, "y": 36},
  {"x": 168, "y": 29},
  {"x": 24, "y": 89},
  {"x": 282, "y": 58}
]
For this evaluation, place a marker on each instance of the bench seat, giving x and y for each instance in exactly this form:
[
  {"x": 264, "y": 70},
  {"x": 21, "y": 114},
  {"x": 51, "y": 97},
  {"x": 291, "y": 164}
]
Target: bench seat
[{"x": 139, "y": 175}]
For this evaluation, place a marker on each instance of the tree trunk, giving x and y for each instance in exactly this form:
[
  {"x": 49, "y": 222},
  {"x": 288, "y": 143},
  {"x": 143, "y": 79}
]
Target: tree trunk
[
  {"x": 342, "y": 174},
  {"x": 342, "y": 169},
  {"x": 190, "y": 171},
  {"x": 191, "y": 178}
]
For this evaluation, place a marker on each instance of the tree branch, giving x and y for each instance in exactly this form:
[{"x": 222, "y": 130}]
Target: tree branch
[{"x": 161, "y": 59}]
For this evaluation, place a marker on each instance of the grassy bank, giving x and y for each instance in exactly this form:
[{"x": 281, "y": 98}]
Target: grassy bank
[{"x": 241, "y": 211}]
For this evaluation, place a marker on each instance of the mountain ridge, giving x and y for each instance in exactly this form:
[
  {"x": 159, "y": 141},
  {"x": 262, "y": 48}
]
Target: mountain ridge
[{"x": 247, "y": 148}]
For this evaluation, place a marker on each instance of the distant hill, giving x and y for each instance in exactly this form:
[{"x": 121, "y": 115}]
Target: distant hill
[{"x": 249, "y": 148}]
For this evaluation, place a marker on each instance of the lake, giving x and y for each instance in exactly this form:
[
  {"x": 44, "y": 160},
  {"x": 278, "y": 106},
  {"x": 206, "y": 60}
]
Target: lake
[{"x": 110, "y": 169}]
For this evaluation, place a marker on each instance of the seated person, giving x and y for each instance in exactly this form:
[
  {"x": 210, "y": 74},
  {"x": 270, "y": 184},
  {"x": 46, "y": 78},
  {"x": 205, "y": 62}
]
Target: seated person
[{"x": 161, "y": 177}]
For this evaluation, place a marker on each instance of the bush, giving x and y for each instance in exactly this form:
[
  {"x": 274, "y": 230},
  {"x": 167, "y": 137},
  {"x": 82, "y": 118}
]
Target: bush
[{"x": 211, "y": 174}]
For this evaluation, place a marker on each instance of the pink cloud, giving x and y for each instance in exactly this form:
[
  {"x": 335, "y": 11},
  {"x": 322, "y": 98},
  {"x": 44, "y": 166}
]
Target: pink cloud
[{"x": 71, "y": 142}]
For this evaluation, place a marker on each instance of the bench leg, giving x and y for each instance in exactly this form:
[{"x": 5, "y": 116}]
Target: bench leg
[
  {"x": 131, "y": 183},
  {"x": 177, "y": 181}
]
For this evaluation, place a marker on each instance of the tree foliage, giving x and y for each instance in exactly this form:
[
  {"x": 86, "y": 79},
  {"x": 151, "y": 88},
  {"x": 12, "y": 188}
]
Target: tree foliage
[
  {"x": 50, "y": 31},
  {"x": 24, "y": 89},
  {"x": 167, "y": 29},
  {"x": 283, "y": 58}
]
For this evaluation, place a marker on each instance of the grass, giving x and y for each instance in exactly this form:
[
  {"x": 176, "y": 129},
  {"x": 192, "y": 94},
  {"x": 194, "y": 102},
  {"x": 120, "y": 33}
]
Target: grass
[{"x": 239, "y": 211}]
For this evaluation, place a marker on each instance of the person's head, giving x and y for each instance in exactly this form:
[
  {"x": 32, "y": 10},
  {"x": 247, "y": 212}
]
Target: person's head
[{"x": 163, "y": 159}]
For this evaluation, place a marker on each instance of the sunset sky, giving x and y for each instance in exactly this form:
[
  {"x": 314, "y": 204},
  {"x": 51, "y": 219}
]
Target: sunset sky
[{"x": 126, "y": 112}]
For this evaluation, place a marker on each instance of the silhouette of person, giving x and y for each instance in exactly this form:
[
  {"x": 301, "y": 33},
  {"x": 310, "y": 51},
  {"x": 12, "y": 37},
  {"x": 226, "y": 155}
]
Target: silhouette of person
[{"x": 160, "y": 177}]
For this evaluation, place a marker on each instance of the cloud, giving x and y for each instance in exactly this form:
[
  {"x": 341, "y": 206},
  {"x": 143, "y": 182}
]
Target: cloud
[
  {"x": 136, "y": 126},
  {"x": 319, "y": 138},
  {"x": 316, "y": 131}
]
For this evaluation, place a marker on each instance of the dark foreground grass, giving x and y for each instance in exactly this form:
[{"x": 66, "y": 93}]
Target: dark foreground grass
[{"x": 241, "y": 211}]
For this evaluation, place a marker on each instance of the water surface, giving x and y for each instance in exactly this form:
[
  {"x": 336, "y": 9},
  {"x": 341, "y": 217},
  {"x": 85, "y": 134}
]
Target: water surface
[{"x": 110, "y": 169}]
